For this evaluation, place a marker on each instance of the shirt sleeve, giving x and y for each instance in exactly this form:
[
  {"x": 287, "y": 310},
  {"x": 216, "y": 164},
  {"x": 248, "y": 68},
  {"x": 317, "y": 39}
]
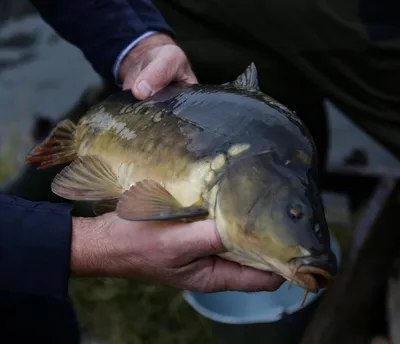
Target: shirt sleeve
[
  {"x": 102, "y": 29},
  {"x": 35, "y": 246},
  {"x": 123, "y": 53}
]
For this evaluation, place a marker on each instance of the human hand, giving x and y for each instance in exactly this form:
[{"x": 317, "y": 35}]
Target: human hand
[
  {"x": 180, "y": 255},
  {"x": 153, "y": 64}
]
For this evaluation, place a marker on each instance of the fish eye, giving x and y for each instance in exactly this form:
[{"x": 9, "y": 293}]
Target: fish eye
[{"x": 295, "y": 213}]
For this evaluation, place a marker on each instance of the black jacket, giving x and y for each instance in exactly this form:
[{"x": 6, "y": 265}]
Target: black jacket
[{"x": 35, "y": 238}]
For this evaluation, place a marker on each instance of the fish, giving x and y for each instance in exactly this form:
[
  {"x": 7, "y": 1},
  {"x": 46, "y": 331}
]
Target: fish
[{"x": 190, "y": 152}]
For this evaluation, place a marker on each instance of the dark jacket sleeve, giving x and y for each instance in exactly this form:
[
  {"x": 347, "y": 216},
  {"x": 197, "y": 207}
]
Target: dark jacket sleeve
[
  {"x": 35, "y": 243},
  {"x": 101, "y": 28}
]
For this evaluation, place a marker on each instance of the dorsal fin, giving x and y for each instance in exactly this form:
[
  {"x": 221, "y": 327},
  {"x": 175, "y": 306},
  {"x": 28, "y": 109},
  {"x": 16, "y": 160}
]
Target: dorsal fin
[{"x": 248, "y": 79}]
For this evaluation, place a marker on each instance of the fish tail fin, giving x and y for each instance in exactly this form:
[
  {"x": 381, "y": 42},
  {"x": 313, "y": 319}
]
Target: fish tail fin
[{"x": 58, "y": 148}]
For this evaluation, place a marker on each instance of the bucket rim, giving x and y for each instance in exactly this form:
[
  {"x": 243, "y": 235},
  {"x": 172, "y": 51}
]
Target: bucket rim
[{"x": 276, "y": 313}]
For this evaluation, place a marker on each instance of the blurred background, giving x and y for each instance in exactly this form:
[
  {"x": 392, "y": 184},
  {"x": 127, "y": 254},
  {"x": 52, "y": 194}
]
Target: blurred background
[{"x": 41, "y": 78}]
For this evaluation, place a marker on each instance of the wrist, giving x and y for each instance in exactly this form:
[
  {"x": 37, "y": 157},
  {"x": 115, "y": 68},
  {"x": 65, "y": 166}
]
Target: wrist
[
  {"x": 88, "y": 247},
  {"x": 134, "y": 58}
]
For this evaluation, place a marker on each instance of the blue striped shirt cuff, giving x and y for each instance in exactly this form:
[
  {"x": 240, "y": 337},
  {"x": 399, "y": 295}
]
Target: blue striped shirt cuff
[{"x": 124, "y": 52}]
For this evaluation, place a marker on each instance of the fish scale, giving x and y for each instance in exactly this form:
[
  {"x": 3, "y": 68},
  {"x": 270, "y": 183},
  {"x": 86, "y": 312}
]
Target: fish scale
[{"x": 225, "y": 152}]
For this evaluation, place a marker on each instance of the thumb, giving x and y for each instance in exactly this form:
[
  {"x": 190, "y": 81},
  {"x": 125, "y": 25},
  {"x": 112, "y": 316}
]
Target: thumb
[
  {"x": 169, "y": 65},
  {"x": 221, "y": 275}
]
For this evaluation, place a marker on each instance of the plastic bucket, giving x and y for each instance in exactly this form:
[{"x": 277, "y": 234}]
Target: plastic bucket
[{"x": 261, "y": 317}]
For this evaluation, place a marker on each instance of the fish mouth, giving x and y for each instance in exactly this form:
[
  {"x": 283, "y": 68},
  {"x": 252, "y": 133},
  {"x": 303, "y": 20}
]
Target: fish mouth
[
  {"x": 312, "y": 278},
  {"x": 313, "y": 273}
]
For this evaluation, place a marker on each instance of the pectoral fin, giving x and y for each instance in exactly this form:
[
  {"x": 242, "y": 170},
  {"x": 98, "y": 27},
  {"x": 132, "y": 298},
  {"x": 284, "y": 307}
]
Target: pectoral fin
[
  {"x": 88, "y": 178},
  {"x": 147, "y": 200}
]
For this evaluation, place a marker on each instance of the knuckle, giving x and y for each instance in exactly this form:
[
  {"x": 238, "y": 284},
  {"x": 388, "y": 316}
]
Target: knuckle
[
  {"x": 194, "y": 283},
  {"x": 170, "y": 62},
  {"x": 216, "y": 280},
  {"x": 204, "y": 280},
  {"x": 177, "y": 56},
  {"x": 211, "y": 285},
  {"x": 177, "y": 51}
]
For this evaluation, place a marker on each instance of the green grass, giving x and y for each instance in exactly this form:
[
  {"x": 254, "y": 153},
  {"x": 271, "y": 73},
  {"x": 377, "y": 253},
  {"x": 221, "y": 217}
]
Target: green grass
[
  {"x": 125, "y": 312},
  {"x": 10, "y": 158}
]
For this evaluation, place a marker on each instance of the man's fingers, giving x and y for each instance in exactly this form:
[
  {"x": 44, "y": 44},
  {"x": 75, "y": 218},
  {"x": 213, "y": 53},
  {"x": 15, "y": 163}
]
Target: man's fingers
[
  {"x": 169, "y": 65},
  {"x": 188, "y": 76},
  {"x": 218, "y": 274}
]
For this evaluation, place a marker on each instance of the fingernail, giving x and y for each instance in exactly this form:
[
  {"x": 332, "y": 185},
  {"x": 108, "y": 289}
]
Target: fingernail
[{"x": 144, "y": 89}]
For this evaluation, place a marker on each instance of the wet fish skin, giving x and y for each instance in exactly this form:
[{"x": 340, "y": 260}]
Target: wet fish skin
[
  {"x": 254, "y": 206},
  {"x": 227, "y": 152}
]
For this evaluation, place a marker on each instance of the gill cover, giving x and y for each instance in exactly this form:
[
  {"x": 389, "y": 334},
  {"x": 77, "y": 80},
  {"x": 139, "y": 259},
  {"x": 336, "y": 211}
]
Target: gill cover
[{"x": 270, "y": 200}]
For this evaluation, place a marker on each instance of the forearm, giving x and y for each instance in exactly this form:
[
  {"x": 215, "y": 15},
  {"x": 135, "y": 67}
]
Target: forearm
[
  {"x": 101, "y": 29},
  {"x": 35, "y": 242}
]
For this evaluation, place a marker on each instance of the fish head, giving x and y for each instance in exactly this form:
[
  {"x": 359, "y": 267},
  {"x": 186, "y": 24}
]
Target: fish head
[{"x": 270, "y": 216}]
